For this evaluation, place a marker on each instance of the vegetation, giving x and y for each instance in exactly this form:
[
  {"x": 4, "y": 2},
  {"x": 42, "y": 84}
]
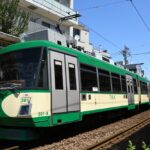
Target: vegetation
[
  {"x": 12, "y": 19},
  {"x": 144, "y": 146},
  {"x": 133, "y": 147}
]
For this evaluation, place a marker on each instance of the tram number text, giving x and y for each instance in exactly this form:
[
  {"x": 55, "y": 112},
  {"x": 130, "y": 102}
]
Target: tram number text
[{"x": 40, "y": 114}]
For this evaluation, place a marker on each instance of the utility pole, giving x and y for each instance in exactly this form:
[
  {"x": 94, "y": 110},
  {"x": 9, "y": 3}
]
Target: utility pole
[{"x": 125, "y": 52}]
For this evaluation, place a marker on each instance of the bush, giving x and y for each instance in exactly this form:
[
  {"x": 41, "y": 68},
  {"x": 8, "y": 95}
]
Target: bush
[{"x": 133, "y": 147}]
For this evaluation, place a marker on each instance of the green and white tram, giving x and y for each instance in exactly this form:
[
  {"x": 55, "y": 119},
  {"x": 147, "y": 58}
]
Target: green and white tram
[{"x": 43, "y": 84}]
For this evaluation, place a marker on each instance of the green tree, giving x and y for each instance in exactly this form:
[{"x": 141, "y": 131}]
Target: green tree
[{"x": 13, "y": 20}]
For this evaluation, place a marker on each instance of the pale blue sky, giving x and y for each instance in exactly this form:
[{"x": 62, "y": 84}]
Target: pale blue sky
[{"x": 117, "y": 21}]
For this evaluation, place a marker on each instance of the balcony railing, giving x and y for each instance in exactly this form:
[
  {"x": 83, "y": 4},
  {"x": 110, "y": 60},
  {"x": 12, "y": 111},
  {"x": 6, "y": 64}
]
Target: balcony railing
[{"x": 57, "y": 7}]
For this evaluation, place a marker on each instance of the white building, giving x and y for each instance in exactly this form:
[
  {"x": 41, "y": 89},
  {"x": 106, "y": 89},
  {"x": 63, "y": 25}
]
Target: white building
[
  {"x": 81, "y": 36},
  {"x": 46, "y": 14}
]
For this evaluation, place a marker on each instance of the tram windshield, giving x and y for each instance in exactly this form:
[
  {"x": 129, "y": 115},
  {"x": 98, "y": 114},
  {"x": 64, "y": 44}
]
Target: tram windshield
[{"x": 24, "y": 69}]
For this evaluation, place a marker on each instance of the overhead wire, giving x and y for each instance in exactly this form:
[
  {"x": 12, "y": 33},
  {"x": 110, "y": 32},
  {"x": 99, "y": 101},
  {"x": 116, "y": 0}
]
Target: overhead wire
[
  {"x": 101, "y": 36},
  {"x": 104, "y": 5},
  {"x": 106, "y": 39},
  {"x": 140, "y": 16},
  {"x": 97, "y": 33},
  {"x": 116, "y": 53},
  {"x": 141, "y": 53},
  {"x": 145, "y": 24}
]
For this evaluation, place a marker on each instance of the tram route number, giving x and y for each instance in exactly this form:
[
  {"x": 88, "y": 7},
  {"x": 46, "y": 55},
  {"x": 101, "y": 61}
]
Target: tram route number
[
  {"x": 25, "y": 99},
  {"x": 40, "y": 114}
]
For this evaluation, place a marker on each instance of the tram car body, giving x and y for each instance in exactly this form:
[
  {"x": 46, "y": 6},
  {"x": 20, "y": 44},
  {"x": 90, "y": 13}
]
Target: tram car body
[{"x": 43, "y": 84}]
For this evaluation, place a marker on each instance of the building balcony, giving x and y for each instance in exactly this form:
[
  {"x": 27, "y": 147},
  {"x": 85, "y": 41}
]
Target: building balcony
[
  {"x": 50, "y": 9},
  {"x": 34, "y": 27}
]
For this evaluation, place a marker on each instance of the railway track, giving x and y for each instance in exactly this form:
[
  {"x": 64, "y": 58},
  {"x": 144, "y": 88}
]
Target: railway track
[
  {"x": 107, "y": 135},
  {"x": 114, "y": 139},
  {"x": 12, "y": 148}
]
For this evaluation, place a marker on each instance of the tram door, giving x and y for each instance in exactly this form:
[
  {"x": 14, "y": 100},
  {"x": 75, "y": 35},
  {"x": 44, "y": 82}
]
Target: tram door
[
  {"x": 64, "y": 82},
  {"x": 130, "y": 89}
]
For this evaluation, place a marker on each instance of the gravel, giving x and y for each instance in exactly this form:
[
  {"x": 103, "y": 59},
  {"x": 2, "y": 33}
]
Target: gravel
[{"x": 85, "y": 139}]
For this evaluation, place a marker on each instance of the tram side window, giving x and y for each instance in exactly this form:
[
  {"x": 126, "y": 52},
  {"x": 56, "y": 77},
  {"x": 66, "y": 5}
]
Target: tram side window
[
  {"x": 58, "y": 74},
  {"x": 72, "y": 76},
  {"x": 141, "y": 85},
  {"x": 88, "y": 77},
  {"x": 124, "y": 86},
  {"x": 135, "y": 86},
  {"x": 104, "y": 80},
  {"x": 144, "y": 89},
  {"x": 43, "y": 78},
  {"x": 116, "y": 84},
  {"x": 149, "y": 88}
]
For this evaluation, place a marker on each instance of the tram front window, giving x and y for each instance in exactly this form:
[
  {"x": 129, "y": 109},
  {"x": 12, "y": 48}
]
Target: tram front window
[{"x": 24, "y": 69}]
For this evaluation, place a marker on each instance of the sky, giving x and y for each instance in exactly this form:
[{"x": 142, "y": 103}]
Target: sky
[{"x": 118, "y": 23}]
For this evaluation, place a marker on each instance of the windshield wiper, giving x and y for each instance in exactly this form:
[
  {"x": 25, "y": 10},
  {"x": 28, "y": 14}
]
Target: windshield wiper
[{"x": 10, "y": 86}]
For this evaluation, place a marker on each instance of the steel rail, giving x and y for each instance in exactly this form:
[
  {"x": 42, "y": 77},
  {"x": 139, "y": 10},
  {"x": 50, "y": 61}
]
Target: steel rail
[
  {"x": 12, "y": 148},
  {"x": 114, "y": 139}
]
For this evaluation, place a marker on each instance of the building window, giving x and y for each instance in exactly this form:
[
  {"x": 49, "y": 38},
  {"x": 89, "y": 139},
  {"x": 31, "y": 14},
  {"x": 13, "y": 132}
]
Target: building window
[
  {"x": 59, "y": 42},
  {"x": 76, "y": 32},
  {"x": 45, "y": 24},
  {"x": 64, "y": 2},
  {"x": 104, "y": 80},
  {"x": 116, "y": 84},
  {"x": 105, "y": 59},
  {"x": 88, "y": 78}
]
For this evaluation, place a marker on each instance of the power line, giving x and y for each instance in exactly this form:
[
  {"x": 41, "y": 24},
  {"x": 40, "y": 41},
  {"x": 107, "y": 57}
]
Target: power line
[
  {"x": 141, "y": 53},
  {"x": 134, "y": 54},
  {"x": 105, "y": 5},
  {"x": 143, "y": 21},
  {"x": 104, "y": 38},
  {"x": 116, "y": 53},
  {"x": 101, "y": 36},
  {"x": 140, "y": 16}
]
